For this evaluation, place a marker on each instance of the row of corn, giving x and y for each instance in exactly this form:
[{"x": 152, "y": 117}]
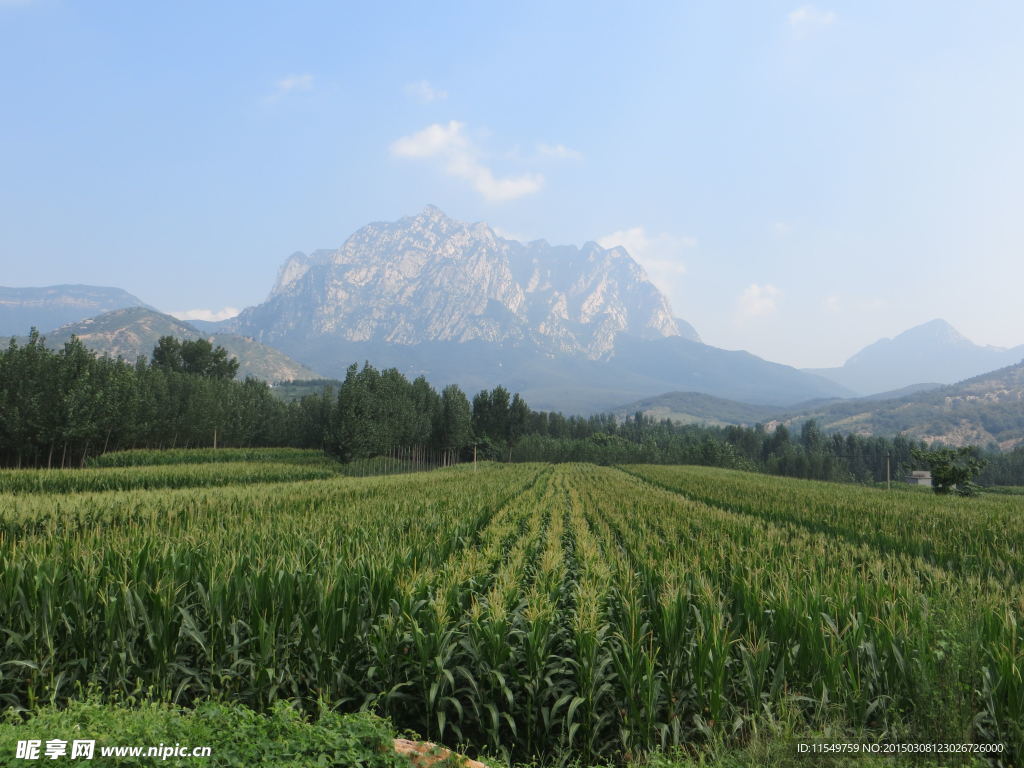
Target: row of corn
[{"x": 554, "y": 612}]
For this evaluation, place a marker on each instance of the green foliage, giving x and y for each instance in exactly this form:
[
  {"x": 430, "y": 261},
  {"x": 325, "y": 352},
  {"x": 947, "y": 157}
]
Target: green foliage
[
  {"x": 237, "y": 736},
  {"x": 151, "y": 458},
  {"x": 560, "y": 613},
  {"x": 377, "y": 411},
  {"x": 455, "y": 427},
  {"x": 198, "y": 357},
  {"x": 188, "y": 475},
  {"x": 987, "y": 404},
  {"x": 1005, "y": 469},
  {"x": 61, "y": 409},
  {"x": 290, "y": 391},
  {"x": 953, "y": 469},
  {"x": 1006, "y": 490}
]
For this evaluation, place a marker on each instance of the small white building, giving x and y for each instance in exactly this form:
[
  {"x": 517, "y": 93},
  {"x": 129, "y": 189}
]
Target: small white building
[{"x": 920, "y": 477}]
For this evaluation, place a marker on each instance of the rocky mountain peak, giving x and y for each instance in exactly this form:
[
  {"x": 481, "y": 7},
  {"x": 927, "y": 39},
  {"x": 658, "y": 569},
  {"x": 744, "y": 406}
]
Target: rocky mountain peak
[
  {"x": 429, "y": 221},
  {"x": 937, "y": 330},
  {"x": 433, "y": 214},
  {"x": 930, "y": 352},
  {"x": 925, "y": 340},
  {"x": 294, "y": 268},
  {"x": 430, "y": 278}
]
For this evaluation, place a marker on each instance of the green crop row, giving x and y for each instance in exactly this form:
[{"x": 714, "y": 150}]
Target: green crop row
[
  {"x": 65, "y": 481},
  {"x": 146, "y": 458},
  {"x": 566, "y": 612},
  {"x": 975, "y": 536}
]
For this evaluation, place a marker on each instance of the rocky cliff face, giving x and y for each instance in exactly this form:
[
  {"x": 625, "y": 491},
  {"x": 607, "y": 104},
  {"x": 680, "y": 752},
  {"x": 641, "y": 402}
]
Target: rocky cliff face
[
  {"x": 571, "y": 329},
  {"x": 428, "y": 278}
]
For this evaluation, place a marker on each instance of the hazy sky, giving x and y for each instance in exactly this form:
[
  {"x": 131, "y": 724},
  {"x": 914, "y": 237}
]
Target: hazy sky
[{"x": 800, "y": 179}]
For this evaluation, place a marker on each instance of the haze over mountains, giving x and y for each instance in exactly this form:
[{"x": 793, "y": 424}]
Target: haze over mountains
[
  {"x": 932, "y": 352},
  {"x": 56, "y": 305},
  {"x": 984, "y": 410},
  {"x": 573, "y": 329}
]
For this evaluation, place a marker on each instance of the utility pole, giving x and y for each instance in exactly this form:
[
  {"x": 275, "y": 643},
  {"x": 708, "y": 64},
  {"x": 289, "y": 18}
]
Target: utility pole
[
  {"x": 474, "y": 457},
  {"x": 888, "y": 476}
]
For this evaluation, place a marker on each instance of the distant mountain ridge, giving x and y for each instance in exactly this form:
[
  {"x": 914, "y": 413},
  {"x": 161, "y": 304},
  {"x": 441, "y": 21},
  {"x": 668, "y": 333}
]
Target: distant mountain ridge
[
  {"x": 572, "y": 329},
  {"x": 698, "y": 408},
  {"x": 932, "y": 352},
  {"x": 133, "y": 332},
  {"x": 55, "y": 305},
  {"x": 982, "y": 410}
]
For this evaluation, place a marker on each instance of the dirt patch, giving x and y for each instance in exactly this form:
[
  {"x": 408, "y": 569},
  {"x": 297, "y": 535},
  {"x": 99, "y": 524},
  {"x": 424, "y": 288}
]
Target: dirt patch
[{"x": 424, "y": 755}]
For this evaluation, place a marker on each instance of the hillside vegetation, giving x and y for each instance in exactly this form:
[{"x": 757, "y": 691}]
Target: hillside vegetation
[
  {"x": 985, "y": 411},
  {"x": 133, "y": 332}
]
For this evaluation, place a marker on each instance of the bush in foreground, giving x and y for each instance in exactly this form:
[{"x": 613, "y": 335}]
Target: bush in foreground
[{"x": 236, "y": 736}]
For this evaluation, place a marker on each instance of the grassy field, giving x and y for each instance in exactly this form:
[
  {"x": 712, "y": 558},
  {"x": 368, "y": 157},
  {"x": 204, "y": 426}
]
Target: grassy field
[
  {"x": 1011, "y": 490},
  {"x": 567, "y": 612}
]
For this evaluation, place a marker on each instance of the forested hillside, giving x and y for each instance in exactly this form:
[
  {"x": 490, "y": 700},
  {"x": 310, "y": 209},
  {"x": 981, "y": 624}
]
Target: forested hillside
[{"x": 986, "y": 410}]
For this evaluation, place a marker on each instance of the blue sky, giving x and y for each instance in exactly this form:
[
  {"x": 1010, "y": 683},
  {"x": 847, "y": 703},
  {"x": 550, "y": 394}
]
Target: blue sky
[{"x": 800, "y": 179}]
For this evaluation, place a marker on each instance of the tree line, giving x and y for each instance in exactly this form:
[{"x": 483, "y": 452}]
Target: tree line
[
  {"x": 807, "y": 454},
  {"x": 1003, "y": 468},
  {"x": 58, "y": 407}
]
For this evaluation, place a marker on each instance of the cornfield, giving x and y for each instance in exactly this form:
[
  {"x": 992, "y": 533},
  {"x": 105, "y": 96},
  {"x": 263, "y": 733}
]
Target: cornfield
[
  {"x": 551, "y": 612},
  {"x": 146, "y": 458},
  {"x": 53, "y": 481}
]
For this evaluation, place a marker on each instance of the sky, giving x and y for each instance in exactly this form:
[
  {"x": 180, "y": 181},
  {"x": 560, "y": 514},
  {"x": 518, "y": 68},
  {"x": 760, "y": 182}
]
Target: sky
[{"x": 799, "y": 179}]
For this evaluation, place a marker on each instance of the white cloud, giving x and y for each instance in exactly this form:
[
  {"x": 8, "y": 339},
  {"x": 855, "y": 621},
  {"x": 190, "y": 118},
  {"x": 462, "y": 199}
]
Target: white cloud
[
  {"x": 758, "y": 300},
  {"x": 833, "y": 303},
  {"x": 808, "y": 17},
  {"x": 210, "y": 315},
  {"x": 461, "y": 158},
  {"x": 660, "y": 255},
  {"x": 558, "y": 152},
  {"x": 782, "y": 228},
  {"x": 423, "y": 92},
  {"x": 292, "y": 84},
  {"x": 435, "y": 139}
]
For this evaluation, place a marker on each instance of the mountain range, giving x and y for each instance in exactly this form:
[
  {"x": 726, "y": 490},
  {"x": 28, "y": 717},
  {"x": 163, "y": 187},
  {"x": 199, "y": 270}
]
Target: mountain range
[
  {"x": 576, "y": 329},
  {"x": 932, "y": 352},
  {"x": 983, "y": 410},
  {"x": 573, "y": 329},
  {"x": 56, "y": 305}
]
